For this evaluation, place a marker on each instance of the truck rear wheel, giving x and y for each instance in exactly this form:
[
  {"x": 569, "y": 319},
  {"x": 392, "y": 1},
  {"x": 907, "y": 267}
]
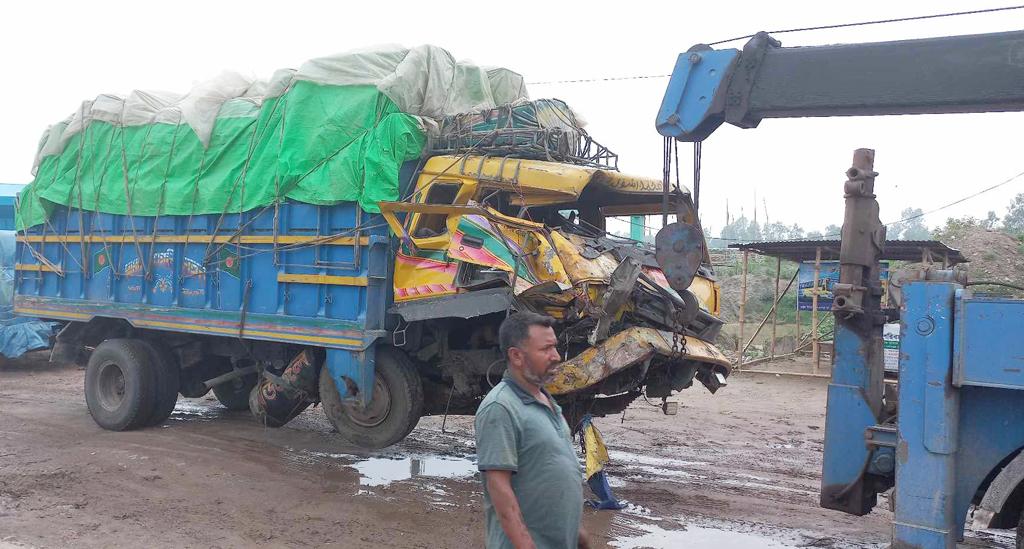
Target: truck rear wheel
[
  {"x": 121, "y": 384},
  {"x": 394, "y": 410},
  {"x": 168, "y": 381},
  {"x": 1020, "y": 532},
  {"x": 234, "y": 394}
]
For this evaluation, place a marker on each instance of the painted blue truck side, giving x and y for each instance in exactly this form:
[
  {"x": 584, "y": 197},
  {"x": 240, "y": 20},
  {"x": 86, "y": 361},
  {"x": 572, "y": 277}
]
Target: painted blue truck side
[{"x": 296, "y": 273}]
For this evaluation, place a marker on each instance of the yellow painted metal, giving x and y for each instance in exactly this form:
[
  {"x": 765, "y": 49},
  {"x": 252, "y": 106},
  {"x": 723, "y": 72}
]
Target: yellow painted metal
[
  {"x": 707, "y": 291},
  {"x": 419, "y": 278},
  {"x": 197, "y": 239},
  {"x": 537, "y": 181},
  {"x": 579, "y": 268},
  {"x": 454, "y": 209},
  {"x": 36, "y": 267},
  {"x": 626, "y": 349},
  {"x": 45, "y": 313},
  {"x": 595, "y": 453},
  {"x": 322, "y": 279},
  {"x": 415, "y": 209},
  {"x": 545, "y": 260},
  {"x": 554, "y": 256}
]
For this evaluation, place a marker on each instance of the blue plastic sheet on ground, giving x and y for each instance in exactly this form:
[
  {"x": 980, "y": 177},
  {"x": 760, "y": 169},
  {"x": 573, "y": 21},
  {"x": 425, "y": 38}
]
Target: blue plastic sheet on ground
[
  {"x": 21, "y": 335},
  {"x": 18, "y": 335},
  {"x": 598, "y": 484}
]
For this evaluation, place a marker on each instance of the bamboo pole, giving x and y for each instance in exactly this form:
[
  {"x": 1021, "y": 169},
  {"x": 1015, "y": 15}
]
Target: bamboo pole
[
  {"x": 793, "y": 374},
  {"x": 775, "y": 310},
  {"x": 743, "y": 304},
  {"x": 743, "y": 351},
  {"x": 815, "y": 344},
  {"x": 799, "y": 327}
]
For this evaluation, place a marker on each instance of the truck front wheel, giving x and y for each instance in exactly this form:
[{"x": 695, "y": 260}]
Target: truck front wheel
[
  {"x": 121, "y": 384},
  {"x": 394, "y": 409}
]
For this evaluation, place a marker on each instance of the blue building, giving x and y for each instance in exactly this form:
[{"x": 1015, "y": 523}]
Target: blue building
[{"x": 8, "y": 191}]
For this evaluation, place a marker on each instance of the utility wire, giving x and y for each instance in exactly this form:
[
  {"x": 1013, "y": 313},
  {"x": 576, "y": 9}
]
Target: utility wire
[
  {"x": 605, "y": 79},
  {"x": 785, "y": 31},
  {"x": 876, "y": 22}
]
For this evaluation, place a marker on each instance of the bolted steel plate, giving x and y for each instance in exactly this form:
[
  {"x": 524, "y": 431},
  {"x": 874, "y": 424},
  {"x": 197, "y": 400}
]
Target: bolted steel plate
[{"x": 679, "y": 248}]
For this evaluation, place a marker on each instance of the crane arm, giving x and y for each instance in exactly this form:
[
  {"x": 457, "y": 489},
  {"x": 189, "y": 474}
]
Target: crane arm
[{"x": 972, "y": 73}]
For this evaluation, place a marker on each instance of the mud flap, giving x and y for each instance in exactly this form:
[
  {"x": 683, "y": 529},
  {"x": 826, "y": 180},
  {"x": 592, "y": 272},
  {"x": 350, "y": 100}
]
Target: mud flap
[
  {"x": 353, "y": 373},
  {"x": 276, "y": 400}
]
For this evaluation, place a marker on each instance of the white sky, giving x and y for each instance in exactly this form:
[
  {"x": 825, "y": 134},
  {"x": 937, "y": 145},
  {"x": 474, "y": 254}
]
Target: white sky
[{"x": 54, "y": 55}]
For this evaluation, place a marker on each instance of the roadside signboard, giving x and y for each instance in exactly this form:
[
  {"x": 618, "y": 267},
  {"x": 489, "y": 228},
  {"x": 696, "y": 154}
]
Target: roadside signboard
[{"x": 828, "y": 277}]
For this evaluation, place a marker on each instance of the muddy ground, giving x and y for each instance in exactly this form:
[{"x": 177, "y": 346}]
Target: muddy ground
[{"x": 739, "y": 469}]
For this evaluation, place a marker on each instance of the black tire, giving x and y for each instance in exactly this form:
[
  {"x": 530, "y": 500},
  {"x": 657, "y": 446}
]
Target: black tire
[
  {"x": 168, "y": 380},
  {"x": 1020, "y": 532},
  {"x": 121, "y": 384},
  {"x": 234, "y": 394},
  {"x": 398, "y": 393}
]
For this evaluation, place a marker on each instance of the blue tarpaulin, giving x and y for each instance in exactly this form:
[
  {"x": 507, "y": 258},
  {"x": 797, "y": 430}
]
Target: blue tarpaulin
[{"x": 18, "y": 335}]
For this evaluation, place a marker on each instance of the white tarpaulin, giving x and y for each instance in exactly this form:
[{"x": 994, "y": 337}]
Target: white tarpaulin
[{"x": 425, "y": 81}]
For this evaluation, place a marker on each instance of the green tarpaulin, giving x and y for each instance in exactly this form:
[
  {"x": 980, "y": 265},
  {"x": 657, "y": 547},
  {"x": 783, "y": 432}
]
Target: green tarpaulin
[
  {"x": 338, "y": 129},
  {"x": 316, "y": 143}
]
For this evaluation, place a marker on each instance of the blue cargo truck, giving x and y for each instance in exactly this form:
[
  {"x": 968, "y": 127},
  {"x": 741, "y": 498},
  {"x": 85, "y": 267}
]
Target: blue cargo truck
[{"x": 323, "y": 238}]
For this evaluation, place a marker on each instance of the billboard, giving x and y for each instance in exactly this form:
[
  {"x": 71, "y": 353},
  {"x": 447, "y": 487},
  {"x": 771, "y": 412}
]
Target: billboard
[
  {"x": 891, "y": 346},
  {"x": 828, "y": 277}
]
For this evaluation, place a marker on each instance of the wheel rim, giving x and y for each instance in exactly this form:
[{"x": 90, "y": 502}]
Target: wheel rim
[
  {"x": 377, "y": 411},
  {"x": 110, "y": 386}
]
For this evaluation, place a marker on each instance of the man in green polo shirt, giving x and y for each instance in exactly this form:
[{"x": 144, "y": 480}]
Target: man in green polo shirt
[{"x": 533, "y": 485}]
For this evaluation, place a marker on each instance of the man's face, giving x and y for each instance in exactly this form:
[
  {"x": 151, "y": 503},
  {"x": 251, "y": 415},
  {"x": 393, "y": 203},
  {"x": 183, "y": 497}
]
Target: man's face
[{"x": 536, "y": 356}]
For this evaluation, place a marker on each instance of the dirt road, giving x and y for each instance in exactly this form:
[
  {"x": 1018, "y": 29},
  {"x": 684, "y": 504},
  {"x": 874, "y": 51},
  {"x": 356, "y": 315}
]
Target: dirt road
[{"x": 733, "y": 470}]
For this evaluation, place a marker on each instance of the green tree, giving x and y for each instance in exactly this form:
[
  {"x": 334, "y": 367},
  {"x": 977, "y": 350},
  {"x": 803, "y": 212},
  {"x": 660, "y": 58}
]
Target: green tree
[
  {"x": 955, "y": 228},
  {"x": 742, "y": 230},
  {"x": 1013, "y": 221},
  {"x": 776, "y": 231},
  {"x": 910, "y": 226}
]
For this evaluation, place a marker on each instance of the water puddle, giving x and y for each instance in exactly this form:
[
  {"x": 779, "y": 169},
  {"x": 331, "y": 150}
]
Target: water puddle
[
  {"x": 646, "y": 536},
  {"x": 191, "y": 410},
  {"x": 631, "y": 457},
  {"x": 381, "y": 471},
  {"x": 993, "y": 538}
]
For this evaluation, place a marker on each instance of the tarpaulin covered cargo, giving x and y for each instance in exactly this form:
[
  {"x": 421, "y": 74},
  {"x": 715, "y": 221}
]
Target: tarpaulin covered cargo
[
  {"x": 18, "y": 335},
  {"x": 337, "y": 129}
]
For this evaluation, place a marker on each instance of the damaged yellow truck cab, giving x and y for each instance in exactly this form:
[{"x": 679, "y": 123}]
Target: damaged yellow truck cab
[{"x": 481, "y": 236}]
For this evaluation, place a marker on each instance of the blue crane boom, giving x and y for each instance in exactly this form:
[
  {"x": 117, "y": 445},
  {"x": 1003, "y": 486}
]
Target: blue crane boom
[{"x": 972, "y": 73}]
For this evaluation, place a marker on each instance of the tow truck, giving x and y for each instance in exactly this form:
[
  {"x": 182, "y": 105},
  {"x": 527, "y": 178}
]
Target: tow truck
[{"x": 954, "y": 444}]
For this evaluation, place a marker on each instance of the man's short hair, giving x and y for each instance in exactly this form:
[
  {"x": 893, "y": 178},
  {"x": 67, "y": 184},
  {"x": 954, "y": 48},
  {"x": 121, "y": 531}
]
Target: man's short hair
[{"x": 516, "y": 329}]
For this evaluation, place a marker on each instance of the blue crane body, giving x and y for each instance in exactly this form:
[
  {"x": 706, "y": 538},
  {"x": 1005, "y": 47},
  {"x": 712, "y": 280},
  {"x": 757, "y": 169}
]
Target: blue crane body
[{"x": 956, "y": 438}]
